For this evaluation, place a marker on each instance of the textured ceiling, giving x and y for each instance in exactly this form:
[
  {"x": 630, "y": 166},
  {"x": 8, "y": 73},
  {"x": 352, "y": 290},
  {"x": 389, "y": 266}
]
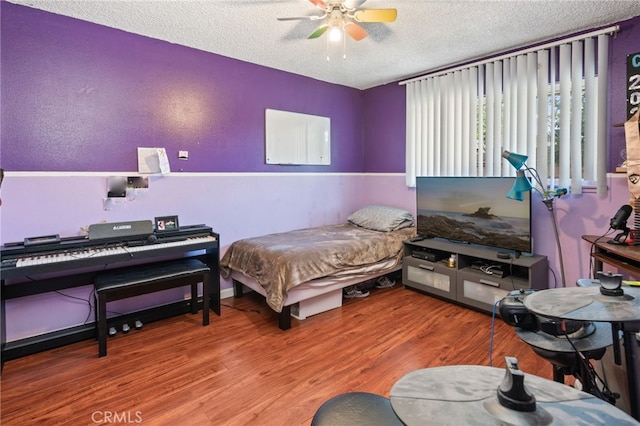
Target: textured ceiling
[{"x": 426, "y": 35}]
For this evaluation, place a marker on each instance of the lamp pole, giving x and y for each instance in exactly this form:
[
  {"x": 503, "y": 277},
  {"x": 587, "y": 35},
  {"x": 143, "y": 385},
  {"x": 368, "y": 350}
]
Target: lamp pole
[{"x": 549, "y": 203}]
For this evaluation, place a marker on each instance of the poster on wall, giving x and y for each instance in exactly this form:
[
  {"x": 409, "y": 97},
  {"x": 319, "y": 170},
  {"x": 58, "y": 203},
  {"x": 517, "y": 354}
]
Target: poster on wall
[
  {"x": 632, "y": 135},
  {"x": 633, "y": 84},
  {"x": 632, "y": 128}
]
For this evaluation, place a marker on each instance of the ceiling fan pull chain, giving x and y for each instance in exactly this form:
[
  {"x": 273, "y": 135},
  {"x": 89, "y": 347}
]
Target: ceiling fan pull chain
[{"x": 344, "y": 45}]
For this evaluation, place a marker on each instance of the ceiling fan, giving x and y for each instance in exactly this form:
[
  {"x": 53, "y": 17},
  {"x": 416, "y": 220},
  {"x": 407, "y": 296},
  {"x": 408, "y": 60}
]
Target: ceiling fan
[{"x": 345, "y": 15}]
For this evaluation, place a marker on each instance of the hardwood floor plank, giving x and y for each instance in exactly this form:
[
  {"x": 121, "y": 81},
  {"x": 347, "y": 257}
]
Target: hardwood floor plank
[{"x": 242, "y": 369}]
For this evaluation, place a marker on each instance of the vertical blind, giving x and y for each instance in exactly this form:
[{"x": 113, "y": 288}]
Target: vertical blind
[{"x": 548, "y": 103}]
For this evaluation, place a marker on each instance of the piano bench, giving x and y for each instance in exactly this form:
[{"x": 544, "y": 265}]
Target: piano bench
[{"x": 132, "y": 281}]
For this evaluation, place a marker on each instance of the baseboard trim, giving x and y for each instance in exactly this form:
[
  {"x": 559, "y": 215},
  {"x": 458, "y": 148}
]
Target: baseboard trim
[{"x": 226, "y": 293}]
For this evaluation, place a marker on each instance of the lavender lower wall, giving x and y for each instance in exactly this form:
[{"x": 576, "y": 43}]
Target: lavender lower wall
[
  {"x": 234, "y": 205},
  {"x": 244, "y": 205}
]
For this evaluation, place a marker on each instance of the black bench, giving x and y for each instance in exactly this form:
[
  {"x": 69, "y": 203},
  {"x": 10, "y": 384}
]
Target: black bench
[{"x": 132, "y": 281}]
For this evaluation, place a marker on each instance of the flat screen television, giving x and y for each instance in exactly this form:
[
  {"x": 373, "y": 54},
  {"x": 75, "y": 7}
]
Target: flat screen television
[{"x": 474, "y": 210}]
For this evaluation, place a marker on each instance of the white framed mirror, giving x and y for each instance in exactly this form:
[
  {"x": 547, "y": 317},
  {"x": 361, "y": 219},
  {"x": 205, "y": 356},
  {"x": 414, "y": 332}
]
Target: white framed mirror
[{"x": 295, "y": 138}]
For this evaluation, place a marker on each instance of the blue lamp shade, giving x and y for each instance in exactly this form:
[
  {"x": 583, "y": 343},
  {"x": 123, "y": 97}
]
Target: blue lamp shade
[
  {"x": 515, "y": 195},
  {"x": 520, "y": 186},
  {"x": 516, "y": 160}
]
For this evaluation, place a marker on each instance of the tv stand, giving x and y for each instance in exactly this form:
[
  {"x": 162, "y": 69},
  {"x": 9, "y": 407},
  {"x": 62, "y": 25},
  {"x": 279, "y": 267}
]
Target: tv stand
[{"x": 479, "y": 277}]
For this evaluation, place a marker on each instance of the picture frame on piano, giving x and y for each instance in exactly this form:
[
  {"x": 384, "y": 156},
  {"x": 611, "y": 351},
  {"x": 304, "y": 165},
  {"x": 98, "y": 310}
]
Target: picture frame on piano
[{"x": 167, "y": 224}]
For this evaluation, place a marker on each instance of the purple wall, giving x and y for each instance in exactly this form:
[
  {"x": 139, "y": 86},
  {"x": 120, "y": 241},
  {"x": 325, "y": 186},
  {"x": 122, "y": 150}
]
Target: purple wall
[
  {"x": 384, "y": 128},
  {"x": 81, "y": 97}
]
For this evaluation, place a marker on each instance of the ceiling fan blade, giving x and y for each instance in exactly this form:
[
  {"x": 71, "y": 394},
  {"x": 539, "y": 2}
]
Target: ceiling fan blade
[
  {"x": 319, "y": 3},
  {"x": 303, "y": 18},
  {"x": 319, "y": 31},
  {"x": 355, "y": 31},
  {"x": 353, "y": 4},
  {"x": 375, "y": 15}
]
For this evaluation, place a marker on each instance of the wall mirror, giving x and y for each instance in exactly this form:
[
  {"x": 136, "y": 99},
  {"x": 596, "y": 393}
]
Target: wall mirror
[{"x": 294, "y": 138}]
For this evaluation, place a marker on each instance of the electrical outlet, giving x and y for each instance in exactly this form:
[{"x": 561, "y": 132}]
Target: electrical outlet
[{"x": 183, "y": 155}]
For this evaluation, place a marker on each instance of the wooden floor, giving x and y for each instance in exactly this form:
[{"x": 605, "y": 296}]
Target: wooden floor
[{"x": 243, "y": 370}]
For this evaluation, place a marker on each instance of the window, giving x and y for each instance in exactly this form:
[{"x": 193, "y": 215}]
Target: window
[{"x": 548, "y": 103}]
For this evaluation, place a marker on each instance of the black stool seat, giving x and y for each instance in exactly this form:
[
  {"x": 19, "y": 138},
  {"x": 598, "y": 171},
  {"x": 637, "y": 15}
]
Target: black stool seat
[
  {"x": 354, "y": 409},
  {"x": 132, "y": 281},
  {"x": 146, "y": 274}
]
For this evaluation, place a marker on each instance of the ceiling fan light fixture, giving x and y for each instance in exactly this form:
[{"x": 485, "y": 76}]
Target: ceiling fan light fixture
[
  {"x": 342, "y": 17},
  {"x": 335, "y": 34}
]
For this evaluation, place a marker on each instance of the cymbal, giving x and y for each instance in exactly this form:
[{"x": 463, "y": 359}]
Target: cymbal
[
  {"x": 467, "y": 394},
  {"x": 585, "y": 304},
  {"x": 601, "y": 337}
]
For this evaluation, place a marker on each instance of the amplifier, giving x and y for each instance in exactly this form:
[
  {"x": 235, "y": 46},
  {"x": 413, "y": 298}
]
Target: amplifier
[
  {"x": 427, "y": 255},
  {"x": 115, "y": 230}
]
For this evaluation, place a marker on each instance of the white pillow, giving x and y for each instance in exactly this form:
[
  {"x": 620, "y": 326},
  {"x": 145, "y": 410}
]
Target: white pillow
[{"x": 381, "y": 218}]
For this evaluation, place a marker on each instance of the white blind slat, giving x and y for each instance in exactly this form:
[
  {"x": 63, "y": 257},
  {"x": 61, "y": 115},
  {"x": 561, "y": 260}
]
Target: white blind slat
[
  {"x": 575, "y": 148},
  {"x": 531, "y": 116},
  {"x": 465, "y": 120},
  {"x": 541, "y": 143},
  {"x": 521, "y": 108},
  {"x": 590, "y": 113},
  {"x": 553, "y": 137},
  {"x": 564, "y": 142},
  {"x": 480, "y": 120},
  {"x": 603, "y": 69}
]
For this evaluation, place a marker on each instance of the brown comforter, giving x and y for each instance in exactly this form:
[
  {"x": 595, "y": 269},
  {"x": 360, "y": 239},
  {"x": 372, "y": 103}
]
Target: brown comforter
[{"x": 281, "y": 261}]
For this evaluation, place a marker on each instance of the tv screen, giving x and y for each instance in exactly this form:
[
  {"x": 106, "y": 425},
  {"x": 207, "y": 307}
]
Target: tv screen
[{"x": 473, "y": 210}]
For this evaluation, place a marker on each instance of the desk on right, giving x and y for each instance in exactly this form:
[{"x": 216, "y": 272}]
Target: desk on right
[{"x": 625, "y": 257}]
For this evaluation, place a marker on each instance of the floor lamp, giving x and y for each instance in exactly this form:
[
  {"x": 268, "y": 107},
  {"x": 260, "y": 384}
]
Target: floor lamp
[{"x": 523, "y": 184}]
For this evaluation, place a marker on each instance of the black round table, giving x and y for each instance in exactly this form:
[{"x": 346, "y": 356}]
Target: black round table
[
  {"x": 459, "y": 395},
  {"x": 588, "y": 304}
]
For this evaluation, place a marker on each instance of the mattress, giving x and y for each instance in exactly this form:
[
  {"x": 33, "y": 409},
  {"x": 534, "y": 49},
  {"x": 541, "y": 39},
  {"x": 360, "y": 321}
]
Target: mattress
[{"x": 280, "y": 262}]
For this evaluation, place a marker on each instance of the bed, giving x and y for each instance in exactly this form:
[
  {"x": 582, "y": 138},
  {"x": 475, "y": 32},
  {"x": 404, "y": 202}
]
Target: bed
[{"x": 302, "y": 272}]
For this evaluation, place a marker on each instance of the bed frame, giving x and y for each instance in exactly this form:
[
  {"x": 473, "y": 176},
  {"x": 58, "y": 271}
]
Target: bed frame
[{"x": 309, "y": 298}]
